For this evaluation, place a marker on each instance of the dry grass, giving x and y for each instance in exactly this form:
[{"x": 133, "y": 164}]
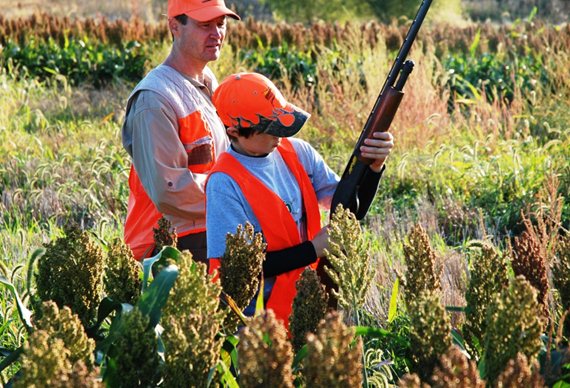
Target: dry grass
[{"x": 454, "y": 284}]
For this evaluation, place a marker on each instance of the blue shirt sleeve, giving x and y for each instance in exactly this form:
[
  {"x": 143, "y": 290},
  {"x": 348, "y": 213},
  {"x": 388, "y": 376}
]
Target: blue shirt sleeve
[{"x": 323, "y": 178}]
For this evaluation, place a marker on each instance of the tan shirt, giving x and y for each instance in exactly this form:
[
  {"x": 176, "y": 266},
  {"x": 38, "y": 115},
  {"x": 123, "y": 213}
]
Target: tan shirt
[{"x": 150, "y": 136}]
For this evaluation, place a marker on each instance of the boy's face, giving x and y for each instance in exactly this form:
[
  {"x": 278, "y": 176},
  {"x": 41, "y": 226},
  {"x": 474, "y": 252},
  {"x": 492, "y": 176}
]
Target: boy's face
[{"x": 258, "y": 144}]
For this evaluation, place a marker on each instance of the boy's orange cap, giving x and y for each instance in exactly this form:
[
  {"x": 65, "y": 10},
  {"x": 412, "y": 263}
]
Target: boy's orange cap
[
  {"x": 200, "y": 10},
  {"x": 251, "y": 100}
]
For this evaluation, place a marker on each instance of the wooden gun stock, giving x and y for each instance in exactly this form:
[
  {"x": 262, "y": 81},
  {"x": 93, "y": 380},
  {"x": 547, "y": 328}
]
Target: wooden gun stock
[{"x": 382, "y": 118}]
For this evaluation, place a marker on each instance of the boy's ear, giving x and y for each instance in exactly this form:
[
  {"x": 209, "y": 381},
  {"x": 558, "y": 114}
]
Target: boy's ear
[{"x": 232, "y": 131}]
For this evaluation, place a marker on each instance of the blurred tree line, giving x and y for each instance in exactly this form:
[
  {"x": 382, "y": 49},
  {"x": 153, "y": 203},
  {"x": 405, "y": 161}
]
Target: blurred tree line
[
  {"x": 554, "y": 10},
  {"x": 386, "y": 10},
  {"x": 338, "y": 10}
]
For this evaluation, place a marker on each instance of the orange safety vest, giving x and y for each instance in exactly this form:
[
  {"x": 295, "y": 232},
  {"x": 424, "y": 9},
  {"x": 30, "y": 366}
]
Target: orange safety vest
[
  {"x": 277, "y": 224},
  {"x": 142, "y": 214}
]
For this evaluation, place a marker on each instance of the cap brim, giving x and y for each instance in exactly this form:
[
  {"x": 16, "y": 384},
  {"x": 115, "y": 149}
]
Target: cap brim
[
  {"x": 210, "y": 13},
  {"x": 277, "y": 128}
]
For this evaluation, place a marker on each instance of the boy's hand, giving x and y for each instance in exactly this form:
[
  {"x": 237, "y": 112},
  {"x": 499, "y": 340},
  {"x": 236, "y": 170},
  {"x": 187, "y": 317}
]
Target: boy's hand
[
  {"x": 378, "y": 149},
  {"x": 321, "y": 241}
]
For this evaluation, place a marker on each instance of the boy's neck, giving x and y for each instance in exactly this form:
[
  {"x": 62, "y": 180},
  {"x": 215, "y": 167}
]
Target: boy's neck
[{"x": 237, "y": 148}]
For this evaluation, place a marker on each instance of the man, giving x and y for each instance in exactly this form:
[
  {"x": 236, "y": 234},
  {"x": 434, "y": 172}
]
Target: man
[
  {"x": 275, "y": 182},
  {"x": 172, "y": 131}
]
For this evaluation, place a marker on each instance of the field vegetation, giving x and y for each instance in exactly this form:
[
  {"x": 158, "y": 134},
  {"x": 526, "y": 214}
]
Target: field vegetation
[{"x": 459, "y": 276}]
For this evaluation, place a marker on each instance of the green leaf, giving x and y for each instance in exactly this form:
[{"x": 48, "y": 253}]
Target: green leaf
[
  {"x": 160, "y": 349},
  {"x": 29, "y": 278},
  {"x": 227, "y": 379},
  {"x": 393, "y": 309},
  {"x": 532, "y": 14},
  {"x": 374, "y": 332},
  {"x": 299, "y": 356},
  {"x": 23, "y": 312},
  {"x": 230, "y": 347},
  {"x": 475, "y": 43},
  {"x": 259, "y": 305},
  {"x": 482, "y": 367},
  {"x": 228, "y": 301},
  {"x": 111, "y": 373},
  {"x": 155, "y": 296},
  {"x": 456, "y": 309},
  {"x": 115, "y": 329},
  {"x": 160, "y": 258},
  {"x": 11, "y": 358},
  {"x": 106, "y": 307},
  {"x": 459, "y": 341}
]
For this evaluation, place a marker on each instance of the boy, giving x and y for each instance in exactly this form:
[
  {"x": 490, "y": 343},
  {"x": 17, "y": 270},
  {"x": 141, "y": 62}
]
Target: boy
[{"x": 275, "y": 182}]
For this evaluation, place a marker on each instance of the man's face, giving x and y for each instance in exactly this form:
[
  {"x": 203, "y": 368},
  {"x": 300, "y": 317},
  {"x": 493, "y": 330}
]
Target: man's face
[{"x": 201, "y": 41}]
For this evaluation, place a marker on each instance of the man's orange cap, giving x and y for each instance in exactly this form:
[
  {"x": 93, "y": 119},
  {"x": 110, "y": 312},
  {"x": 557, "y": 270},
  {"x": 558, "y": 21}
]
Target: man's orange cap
[
  {"x": 250, "y": 100},
  {"x": 200, "y": 10}
]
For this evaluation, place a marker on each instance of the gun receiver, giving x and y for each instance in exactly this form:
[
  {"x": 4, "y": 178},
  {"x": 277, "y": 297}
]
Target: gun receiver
[{"x": 379, "y": 120}]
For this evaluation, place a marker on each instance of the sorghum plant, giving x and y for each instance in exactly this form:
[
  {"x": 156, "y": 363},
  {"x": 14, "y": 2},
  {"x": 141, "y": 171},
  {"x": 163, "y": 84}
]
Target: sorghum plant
[
  {"x": 521, "y": 373},
  {"x": 240, "y": 268},
  {"x": 164, "y": 235},
  {"x": 420, "y": 259},
  {"x": 514, "y": 325},
  {"x": 58, "y": 352},
  {"x": 332, "y": 359},
  {"x": 411, "y": 380},
  {"x": 561, "y": 276},
  {"x": 191, "y": 320},
  {"x": 71, "y": 273},
  {"x": 135, "y": 352},
  {"x": 44, "y": 362},
  {"x": 455, "y": 370},
  {"x": 430, "y": 329},
  {"x": 349, "y": 260},
  {"x": 529, "y": 260},
  {"x": 265, "y": 354},
  {"x": 309, "y": 307},
  {"x": 66, "y": 326},
  {"x": 489, "y": 275},
  {"x": 122, "y": 280}
]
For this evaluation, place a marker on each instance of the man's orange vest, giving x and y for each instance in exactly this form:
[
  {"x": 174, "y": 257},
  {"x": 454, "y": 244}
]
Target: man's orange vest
[
  {"x": 142, "y": 214},
  {"x": 198, "y": 135},
  {"x": 277, "y": 224}
]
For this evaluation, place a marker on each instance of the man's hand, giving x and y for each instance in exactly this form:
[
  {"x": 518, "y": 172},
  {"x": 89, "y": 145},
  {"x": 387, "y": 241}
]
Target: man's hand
[{"x": 378, "y": 149}]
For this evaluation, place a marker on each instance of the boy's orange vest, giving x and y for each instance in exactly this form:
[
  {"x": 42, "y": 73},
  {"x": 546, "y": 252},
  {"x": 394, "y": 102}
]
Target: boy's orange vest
[{"x": 277, "y": 224}]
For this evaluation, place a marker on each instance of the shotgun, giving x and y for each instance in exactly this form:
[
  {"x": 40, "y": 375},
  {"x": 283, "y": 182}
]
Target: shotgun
[{"x": 379, "y": 120}]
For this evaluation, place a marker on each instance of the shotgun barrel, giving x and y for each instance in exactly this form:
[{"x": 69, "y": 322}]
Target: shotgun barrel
[{"x": 379, "y": 120}]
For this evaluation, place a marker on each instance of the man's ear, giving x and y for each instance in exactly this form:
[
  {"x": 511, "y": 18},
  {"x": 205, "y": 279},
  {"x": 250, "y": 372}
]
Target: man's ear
[
  {"x": 173, "y": 25},
  {"x": 232, "y": 131}
]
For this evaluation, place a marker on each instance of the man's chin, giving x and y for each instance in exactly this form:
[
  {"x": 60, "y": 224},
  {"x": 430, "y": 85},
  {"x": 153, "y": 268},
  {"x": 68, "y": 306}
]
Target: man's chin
[{"x": 213, "y": 55}]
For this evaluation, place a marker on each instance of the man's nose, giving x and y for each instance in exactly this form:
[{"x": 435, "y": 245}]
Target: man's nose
[{"x": 217, "y": 32}]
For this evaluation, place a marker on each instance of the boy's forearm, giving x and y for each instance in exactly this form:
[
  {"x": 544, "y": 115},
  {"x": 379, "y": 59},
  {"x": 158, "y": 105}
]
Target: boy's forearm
[{"x": 288, "y": 259}]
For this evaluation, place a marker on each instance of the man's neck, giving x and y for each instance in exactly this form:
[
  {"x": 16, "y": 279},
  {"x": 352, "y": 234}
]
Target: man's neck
[{"x": 189, "y": 68}]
